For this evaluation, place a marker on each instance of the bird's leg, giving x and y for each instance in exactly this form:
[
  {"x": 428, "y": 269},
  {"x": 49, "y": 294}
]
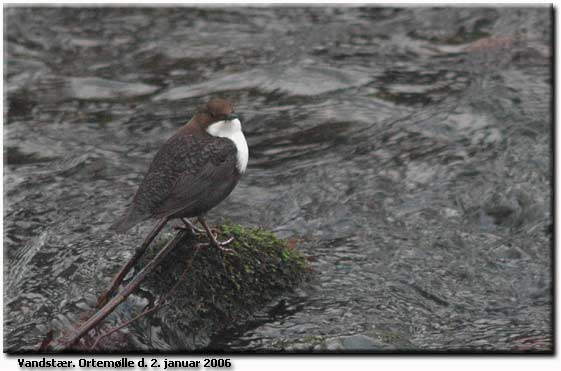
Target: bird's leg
[
  {"x": 127, "y": 267},
  {"x": 213, "y": 238},
  {"x": 190, "y": 226},
  {"x": 198, "y": 230}
]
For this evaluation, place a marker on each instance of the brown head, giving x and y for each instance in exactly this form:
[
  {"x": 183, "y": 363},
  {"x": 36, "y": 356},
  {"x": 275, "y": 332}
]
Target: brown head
[{"x": 215, "y": 110}]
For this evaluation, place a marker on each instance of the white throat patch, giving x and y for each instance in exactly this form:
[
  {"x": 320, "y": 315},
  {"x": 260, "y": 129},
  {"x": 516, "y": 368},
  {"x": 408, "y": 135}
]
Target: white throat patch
[{"x": 232, "y": 130}]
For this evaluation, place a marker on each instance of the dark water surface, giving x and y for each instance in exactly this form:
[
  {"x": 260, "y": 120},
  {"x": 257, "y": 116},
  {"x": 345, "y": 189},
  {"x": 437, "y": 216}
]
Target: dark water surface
[{"x": 409, "y": 150}]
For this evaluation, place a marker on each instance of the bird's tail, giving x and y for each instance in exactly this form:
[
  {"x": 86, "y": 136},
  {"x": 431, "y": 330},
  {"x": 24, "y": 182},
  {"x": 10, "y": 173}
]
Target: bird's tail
[{"x": 131, "y": 217}]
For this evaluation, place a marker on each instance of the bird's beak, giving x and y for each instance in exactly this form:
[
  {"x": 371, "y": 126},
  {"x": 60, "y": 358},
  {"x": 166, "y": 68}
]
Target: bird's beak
[{"x": 233, "y": 116}]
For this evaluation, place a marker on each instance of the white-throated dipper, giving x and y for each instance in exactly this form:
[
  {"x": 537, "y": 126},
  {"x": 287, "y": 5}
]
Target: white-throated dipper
[{"x": 193, "y": 171}]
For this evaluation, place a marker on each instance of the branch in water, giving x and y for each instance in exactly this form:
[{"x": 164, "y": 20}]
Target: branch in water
[
  {"x": 161, "y": 302},
  {"x": 121, "y": 296}
]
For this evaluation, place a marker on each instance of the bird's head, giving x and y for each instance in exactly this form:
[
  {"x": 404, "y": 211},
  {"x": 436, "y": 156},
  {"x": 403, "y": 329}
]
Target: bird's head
[
  {"x": 218, "y": 109},
  {"x": 217, "y": 118}
]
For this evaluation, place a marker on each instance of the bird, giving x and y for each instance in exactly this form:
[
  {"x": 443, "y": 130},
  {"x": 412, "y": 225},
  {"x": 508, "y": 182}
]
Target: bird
[
  {"x": 193, "y": 171},
  {"x": 196, "y": 169}
]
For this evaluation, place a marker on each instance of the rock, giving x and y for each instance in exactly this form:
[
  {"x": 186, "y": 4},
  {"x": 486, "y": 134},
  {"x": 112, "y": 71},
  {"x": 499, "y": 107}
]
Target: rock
[{"x": 221, "y": 290}]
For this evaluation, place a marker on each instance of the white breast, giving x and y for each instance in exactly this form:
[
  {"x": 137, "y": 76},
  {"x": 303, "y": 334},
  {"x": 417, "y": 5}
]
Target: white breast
[{"x": 233, "y": 131}]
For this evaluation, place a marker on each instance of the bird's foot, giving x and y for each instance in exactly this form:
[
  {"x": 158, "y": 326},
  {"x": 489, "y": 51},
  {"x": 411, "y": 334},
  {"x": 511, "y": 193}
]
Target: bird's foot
[
  {"x": 212, "y": 234},
  {"x": 188, "y": 226},
  {"x": 192, "y": 231},
  {"x": 220, "y": 245}
]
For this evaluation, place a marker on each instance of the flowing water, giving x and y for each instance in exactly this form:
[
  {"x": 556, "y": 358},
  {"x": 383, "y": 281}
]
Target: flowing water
[{"x": 408, "y": 150}]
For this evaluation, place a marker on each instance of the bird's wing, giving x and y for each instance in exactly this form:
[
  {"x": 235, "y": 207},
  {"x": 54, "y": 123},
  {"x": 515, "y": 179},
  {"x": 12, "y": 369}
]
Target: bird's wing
[
  {"x": 203, "y": 185},
  {"x": 176, "y": 179},
  {"x": 167, "y": 166}
]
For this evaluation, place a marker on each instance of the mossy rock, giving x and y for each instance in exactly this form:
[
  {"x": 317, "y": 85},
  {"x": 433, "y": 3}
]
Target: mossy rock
[{"x": 222, "y": 289}]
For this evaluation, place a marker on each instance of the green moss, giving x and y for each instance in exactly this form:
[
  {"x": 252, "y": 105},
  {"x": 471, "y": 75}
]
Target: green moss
[{"x": 224, "y": 289}]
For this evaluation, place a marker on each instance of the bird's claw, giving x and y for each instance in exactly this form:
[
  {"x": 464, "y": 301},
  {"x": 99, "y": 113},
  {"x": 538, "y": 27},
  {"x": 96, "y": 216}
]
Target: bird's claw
[
  {"x": 220, "y": 245},
  {"x": 192, "y": 229}
]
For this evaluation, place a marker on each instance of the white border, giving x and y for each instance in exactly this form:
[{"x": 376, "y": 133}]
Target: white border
[
  {"x": 265, "y": 3},
  {"x": 417, "y": 363}
]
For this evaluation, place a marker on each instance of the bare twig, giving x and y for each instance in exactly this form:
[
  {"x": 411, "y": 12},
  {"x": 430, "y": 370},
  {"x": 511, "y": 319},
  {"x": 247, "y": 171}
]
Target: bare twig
[
  {"x": 104, "y": 298},
  {"x": 46, "y": 341},
  {"x": 123, "y": 294},
  {"x": 160, "y": 302}
]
